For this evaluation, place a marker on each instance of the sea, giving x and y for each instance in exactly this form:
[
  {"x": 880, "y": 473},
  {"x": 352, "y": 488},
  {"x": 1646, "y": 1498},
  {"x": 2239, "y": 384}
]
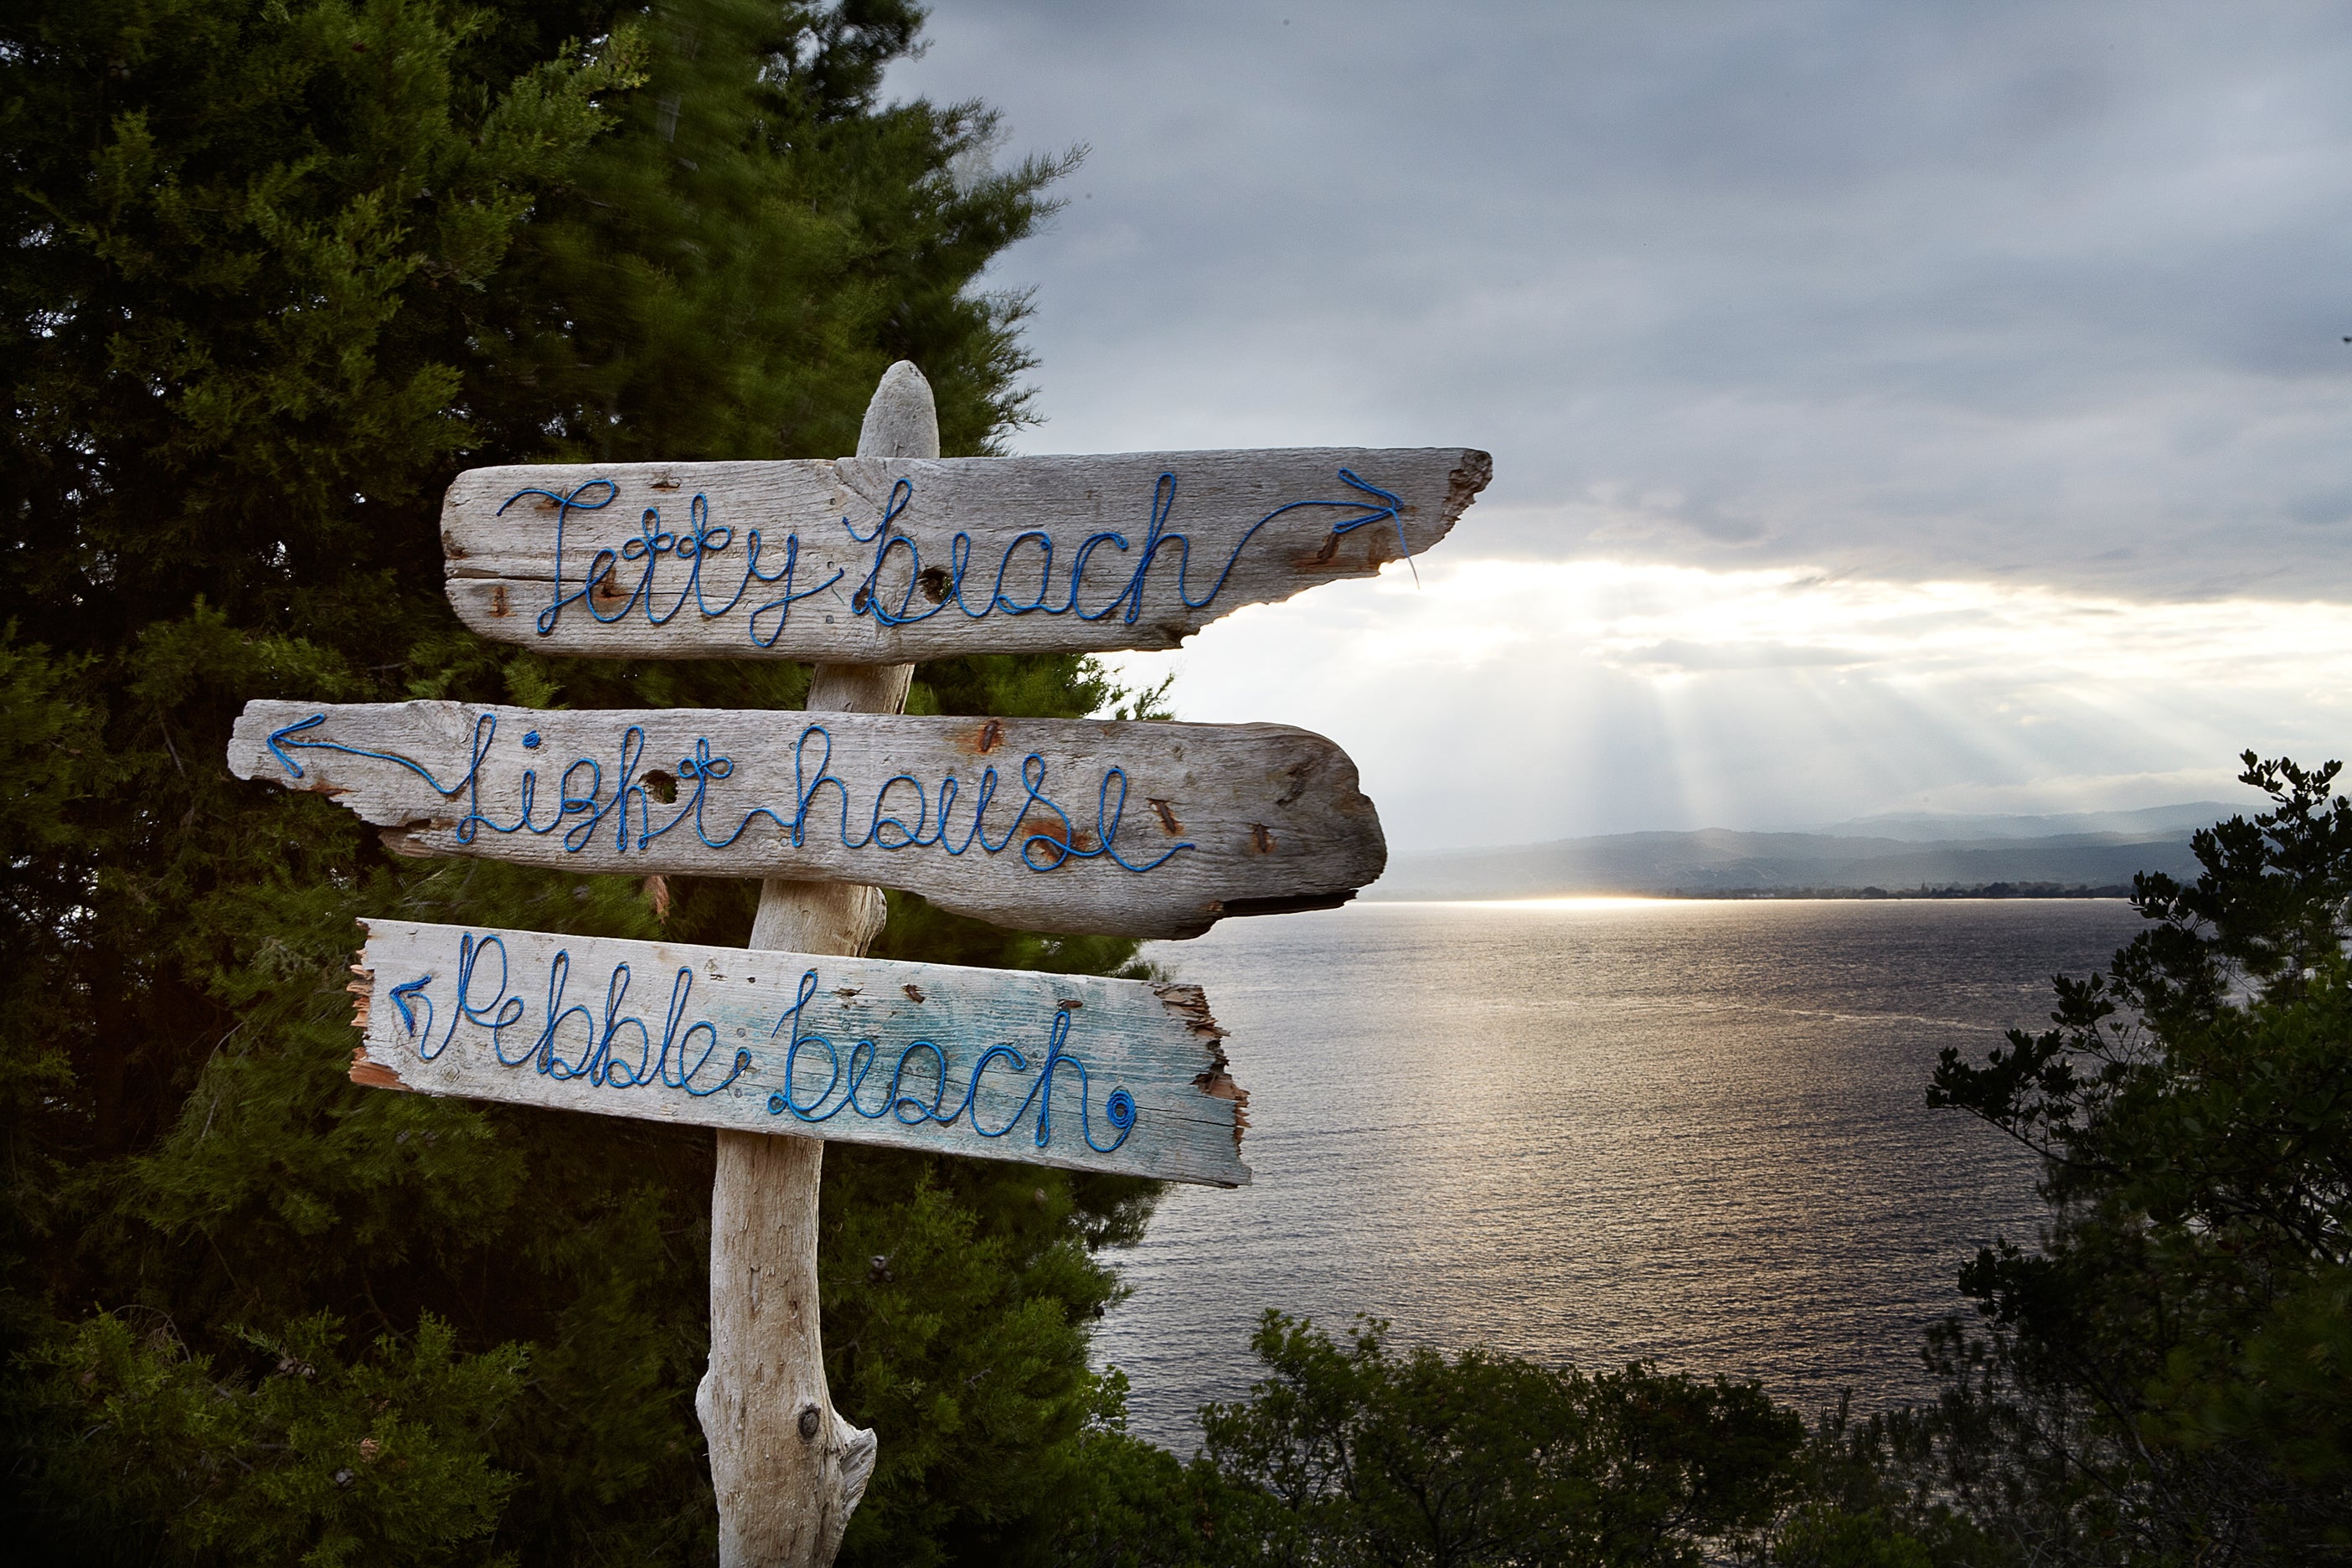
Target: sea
[{"x": 1597, "y": 1130}]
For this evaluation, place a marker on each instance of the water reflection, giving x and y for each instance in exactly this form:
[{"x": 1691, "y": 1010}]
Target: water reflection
[{"x": 1595, "y": 1130}]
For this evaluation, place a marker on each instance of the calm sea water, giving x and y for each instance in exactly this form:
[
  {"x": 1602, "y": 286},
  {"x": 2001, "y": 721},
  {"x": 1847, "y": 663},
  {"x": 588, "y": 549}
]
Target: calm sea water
[{"x": 1591, "y": 1131}]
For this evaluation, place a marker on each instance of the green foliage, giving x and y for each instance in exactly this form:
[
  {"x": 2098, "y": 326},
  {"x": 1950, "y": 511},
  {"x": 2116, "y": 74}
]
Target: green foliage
[
  {"x": 1354, "y": 1453},
  {"x": 273, "y": 271},
  {"x": 2169, "y": 1377},
  {"x": 1828, "y": 1538},
  {"x": 1128, "y": 1503},
  {"x": 1871, "y": 1494},
  {"x": 957, "y": 1344},
  {"x": 319, "y": 1461}
]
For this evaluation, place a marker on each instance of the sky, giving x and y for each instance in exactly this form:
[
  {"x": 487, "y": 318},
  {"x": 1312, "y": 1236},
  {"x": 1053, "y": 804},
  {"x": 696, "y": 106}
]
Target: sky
[{"x": 1922, "y": 407}]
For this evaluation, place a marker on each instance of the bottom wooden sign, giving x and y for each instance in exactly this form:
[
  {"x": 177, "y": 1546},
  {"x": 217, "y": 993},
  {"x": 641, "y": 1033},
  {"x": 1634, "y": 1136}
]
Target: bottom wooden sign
[{"x": 1052, "y": 1069}]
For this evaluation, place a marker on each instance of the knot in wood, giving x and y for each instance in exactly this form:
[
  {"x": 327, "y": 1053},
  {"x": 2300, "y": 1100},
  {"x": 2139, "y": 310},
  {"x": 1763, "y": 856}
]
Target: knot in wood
[{"x": 808, "y": 1423}]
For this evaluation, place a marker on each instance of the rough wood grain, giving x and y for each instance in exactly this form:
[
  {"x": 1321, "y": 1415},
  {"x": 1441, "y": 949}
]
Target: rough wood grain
[
  {"x": 746, "y": 1039},
  {"x": 1228, "y": 819},
  {"x": 786, "y": 1467},
  {"x": 872, "y": 560}
]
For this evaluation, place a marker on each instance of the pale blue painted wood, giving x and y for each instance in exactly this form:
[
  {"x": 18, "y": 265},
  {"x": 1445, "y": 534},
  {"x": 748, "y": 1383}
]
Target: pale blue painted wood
[{"x": 1155, "y": 1042}]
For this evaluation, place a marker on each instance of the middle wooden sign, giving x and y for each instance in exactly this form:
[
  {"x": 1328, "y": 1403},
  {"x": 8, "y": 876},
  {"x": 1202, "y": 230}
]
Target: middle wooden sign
[{"x": 1143, "y": 829}]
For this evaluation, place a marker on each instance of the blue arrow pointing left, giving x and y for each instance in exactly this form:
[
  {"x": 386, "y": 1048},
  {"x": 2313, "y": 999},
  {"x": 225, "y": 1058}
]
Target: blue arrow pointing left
[
  {"x": 400, "y": 996},
  {"x": 280, "y": 745}
]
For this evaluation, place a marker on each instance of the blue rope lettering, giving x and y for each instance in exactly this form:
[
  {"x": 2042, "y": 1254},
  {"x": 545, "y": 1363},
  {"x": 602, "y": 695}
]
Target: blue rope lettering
[
  {"x": 907, "y": 1111},
  {"x": 564, "y": 506},
  {"x": 603, "y": 1059},
  {"x": 702, "y": 540},
  {"x": 400, "y": 996},
  {"x": 582, "y": 804},
  {"x": 487, "y": 997},
  {"x": 493, "y": 1015}
]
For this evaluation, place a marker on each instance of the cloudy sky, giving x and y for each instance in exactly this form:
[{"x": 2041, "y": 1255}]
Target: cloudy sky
[{"x": 1893, "y": 408}]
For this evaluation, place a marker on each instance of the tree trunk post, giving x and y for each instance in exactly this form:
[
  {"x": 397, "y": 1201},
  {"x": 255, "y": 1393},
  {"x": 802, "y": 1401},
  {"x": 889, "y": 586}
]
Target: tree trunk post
[{"x": 787, "y": 1468}]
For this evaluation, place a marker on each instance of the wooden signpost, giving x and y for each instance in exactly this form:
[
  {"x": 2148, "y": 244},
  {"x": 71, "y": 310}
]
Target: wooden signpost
[{"x": 861, "y": 566}]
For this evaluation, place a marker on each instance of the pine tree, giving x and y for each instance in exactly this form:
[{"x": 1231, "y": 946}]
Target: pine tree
[
  {"x": 2168, "y": 1377},
  {"x": 275, "y": 271}
]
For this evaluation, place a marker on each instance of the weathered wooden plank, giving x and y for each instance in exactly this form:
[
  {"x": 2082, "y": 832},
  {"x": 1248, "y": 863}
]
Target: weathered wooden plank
[
  {"x": 1052, "y": 1069},
  {"x": 884, "y": 561},
  {"x": 1132, "y": 829}
]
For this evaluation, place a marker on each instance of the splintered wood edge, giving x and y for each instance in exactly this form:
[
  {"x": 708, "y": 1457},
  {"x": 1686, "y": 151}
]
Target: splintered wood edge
[
  {"x": 1462, "y": 486},
  {"x": 366, "y": 1072},
  {"x": 1189, "y": 1004}
]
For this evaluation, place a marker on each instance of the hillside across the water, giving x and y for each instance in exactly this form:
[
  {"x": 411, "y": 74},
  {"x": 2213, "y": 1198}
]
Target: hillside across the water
[{"x": 1911, "y": 853}]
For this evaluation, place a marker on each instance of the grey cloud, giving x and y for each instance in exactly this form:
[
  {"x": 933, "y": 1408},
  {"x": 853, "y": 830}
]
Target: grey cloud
[{"x": 2046, "y": 293}]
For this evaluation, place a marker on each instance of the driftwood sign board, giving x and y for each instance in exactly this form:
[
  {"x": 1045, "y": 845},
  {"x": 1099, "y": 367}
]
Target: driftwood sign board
[
  {"x": 1053, "y": 1069},
  {"x": 1143, "y": 829},
  {"x": 885, "y": 561}
]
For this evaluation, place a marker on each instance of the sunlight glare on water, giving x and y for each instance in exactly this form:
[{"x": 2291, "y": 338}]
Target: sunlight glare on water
[{"x": 1591, "y": 1130}]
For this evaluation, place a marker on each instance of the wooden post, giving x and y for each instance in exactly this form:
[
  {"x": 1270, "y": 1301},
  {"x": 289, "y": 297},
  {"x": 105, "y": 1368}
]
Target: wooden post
[{"x": 787, "y": 1468}]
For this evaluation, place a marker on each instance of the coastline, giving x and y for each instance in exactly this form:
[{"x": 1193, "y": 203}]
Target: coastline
[{"x": 1996, "y": 890}]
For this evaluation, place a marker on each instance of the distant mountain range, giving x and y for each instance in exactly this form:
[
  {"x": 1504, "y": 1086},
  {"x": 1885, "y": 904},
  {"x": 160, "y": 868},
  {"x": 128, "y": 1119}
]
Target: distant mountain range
[
  {"x": 1900, "y": 853},
  {"x": 1946, "y": 827}
]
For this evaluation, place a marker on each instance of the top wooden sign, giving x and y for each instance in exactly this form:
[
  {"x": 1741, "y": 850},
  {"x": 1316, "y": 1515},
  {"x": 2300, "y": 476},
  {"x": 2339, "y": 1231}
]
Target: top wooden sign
[{"x": 889, "y": 561}]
